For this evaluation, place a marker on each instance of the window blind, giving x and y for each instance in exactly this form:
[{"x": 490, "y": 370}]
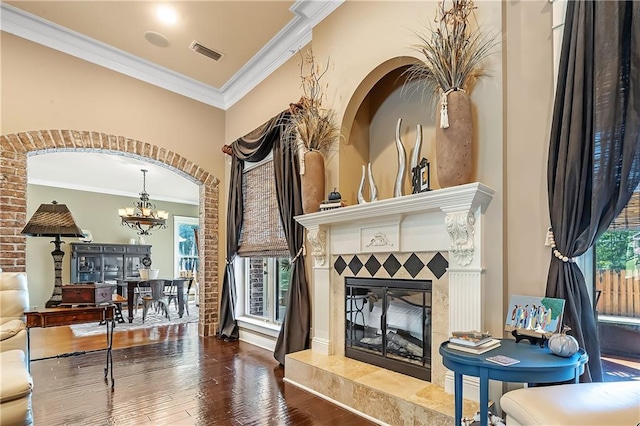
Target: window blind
[{"x": 261, "y": 233}]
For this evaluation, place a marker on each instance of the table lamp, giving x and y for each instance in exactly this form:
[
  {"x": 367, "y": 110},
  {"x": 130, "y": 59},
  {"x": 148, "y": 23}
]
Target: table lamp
[{"x": 53, "y": 220}]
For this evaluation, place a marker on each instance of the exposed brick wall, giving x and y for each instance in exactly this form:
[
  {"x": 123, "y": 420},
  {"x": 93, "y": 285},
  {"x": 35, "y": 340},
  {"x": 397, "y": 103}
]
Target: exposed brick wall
[{"x": 14, "y": 149}]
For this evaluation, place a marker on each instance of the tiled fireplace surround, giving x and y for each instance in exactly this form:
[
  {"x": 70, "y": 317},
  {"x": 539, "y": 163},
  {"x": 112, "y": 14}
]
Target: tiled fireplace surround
[{"x": 433, "y": 235}]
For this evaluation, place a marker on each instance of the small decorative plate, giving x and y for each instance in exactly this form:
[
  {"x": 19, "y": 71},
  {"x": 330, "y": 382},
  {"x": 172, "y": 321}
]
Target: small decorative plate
[{"x": 146, "y": 261}]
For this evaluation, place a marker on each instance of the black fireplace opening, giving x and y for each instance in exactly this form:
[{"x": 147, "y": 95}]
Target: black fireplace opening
[{"x": 388, "y": 324}]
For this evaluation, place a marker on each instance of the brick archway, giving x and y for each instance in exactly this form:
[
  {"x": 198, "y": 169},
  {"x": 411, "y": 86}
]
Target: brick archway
[{"x": 14, "y": 149}]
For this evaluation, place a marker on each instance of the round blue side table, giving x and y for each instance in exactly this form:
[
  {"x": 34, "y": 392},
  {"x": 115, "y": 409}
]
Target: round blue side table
[{"x": 537, "y": 365}]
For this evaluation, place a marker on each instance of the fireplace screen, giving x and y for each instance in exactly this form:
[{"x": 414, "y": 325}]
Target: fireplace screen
[{"x": 388, "y": 324}]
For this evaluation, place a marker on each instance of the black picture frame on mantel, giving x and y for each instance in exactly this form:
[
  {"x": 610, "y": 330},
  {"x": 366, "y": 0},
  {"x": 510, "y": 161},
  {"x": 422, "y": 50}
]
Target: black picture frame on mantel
[{"x": 421, "y": 180}]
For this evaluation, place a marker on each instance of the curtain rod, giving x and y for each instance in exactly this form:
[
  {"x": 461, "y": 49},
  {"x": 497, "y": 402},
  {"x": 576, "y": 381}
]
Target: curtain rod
[{"x": 293, "y": 108}]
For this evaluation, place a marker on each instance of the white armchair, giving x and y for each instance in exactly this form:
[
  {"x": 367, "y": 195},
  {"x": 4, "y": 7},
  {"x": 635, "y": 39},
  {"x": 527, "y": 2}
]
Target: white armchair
[
  {"x": 14, "y": 300},
  {"x": 15, "y": 381}
]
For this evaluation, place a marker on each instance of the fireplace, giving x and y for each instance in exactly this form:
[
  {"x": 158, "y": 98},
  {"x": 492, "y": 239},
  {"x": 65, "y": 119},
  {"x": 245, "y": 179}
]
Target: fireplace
[
  {"x": 388, "y": 324},
  {"x": 434, "y": 236}
]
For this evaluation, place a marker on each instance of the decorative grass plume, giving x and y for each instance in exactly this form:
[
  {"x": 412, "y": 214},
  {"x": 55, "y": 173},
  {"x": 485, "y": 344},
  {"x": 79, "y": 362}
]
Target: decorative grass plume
[
  {"x": 314, "y": 125},
  {"x": 452, "y": 50}
]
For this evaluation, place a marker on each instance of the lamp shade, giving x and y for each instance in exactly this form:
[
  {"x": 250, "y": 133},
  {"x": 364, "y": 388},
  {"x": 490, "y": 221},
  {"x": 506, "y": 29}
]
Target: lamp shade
[{"x": 52, "y": 220}]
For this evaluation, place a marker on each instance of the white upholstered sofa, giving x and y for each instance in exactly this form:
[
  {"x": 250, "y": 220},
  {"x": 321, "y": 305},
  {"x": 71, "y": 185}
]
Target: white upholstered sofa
[
  {"x": 580, "y": 404},
  {"x": 14, "y": 300},
  {"x": 15, "y": 381}
]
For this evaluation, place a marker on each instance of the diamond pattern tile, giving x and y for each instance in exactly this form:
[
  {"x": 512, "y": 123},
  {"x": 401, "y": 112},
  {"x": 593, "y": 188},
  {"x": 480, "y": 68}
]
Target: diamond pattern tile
[
  {"x": 413, "y": 265},
  {"x": 340, "y": 265},
  {"x": 372, "y": 265},
  {"x": 391, "y": 265},
  {"x": 355, "y": 265},
  {"x": 438, "y": 265}
]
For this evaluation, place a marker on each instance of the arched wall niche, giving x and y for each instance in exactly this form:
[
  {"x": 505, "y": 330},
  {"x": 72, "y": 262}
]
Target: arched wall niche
[
  {"x": 16, "y": 147},
  {"x": 369, "y": 125}
]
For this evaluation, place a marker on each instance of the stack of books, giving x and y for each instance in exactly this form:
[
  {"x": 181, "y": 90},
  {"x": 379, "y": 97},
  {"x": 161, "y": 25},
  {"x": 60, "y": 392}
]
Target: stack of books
[
  {"x": 474, "y": 342},
  {"x": 331, "y": 204}
]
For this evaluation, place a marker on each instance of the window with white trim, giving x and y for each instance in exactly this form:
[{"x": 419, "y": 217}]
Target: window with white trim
[
  {"x": 267, "y": 286},
  {"x": 185, "y": 246}
]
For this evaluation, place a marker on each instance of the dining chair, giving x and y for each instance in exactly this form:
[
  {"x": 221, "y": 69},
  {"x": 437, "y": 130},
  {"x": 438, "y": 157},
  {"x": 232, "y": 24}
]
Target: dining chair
[
  {"x": 138, "y": 293},
  {"x": 156, "y": 299},
  {"x": 172, "y": 294}
]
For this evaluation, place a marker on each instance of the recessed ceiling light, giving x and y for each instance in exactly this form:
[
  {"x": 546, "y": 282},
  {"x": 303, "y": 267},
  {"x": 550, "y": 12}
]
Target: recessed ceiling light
[
  {"x": 156, "y": 39},
  {"x": 166, "y": 14}
]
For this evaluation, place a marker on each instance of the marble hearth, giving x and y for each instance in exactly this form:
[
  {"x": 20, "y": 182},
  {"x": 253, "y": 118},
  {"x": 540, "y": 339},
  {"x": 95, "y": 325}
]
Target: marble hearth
[{"x": 436, "y": 235}]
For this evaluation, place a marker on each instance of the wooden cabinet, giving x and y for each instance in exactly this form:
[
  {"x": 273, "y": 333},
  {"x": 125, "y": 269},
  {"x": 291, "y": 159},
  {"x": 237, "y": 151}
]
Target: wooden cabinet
[{"x": 96, "y": 262}]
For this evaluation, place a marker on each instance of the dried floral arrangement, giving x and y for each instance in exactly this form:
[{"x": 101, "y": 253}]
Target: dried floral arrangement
[
  {"x": 314, "y": 126},
  {"x": 452, "y": 50}
]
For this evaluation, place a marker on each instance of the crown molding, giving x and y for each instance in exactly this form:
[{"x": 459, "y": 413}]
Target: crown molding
[
  {"x": 296, "y": 34},
  {"x": 293, "y": 37},
  {"x": 46, "y": 33}
]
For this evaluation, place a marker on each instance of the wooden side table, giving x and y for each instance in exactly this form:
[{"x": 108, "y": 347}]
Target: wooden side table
[
  {"x": 56, "y": 317},
  {"x": 537, "y": 365}
]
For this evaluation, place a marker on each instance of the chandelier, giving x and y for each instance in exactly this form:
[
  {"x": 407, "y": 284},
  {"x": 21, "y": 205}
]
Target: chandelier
[{"x": 143, "y": 217}]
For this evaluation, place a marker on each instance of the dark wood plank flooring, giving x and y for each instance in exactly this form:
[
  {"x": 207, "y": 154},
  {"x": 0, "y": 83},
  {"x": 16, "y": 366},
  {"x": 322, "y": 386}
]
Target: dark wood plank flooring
[{"x": 182, "y": 380}]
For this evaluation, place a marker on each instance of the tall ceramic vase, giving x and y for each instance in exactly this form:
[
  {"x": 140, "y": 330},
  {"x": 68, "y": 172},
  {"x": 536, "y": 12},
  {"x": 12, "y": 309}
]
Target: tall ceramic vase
[
  {"x": 454, "y": 155},
  {"x": 312, "y": 182}
]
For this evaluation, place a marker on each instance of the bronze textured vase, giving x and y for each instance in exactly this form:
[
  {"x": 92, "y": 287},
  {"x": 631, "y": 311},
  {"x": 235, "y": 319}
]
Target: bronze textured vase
[
  {"x": 454, "y": 154},
  {"x": 312, "y": 182}
]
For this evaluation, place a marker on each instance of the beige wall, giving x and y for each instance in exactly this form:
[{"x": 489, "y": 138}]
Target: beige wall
[
  {"x": 44, "y": 89},
  {"x": 99, "y": 214},
  {"x": 529, "y": 105}
]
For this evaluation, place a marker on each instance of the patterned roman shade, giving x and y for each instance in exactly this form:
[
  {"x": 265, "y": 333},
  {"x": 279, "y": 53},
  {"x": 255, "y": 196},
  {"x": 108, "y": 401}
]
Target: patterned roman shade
[{"x": 261, "y": 233}]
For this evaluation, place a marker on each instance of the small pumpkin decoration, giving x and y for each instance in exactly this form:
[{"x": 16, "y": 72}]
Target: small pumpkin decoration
[{"x": 562, "y": 344}]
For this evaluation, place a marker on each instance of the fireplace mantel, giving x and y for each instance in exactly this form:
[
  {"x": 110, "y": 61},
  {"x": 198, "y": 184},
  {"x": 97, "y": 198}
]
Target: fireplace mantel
[
  {"x": 459, "y": 203},
  {"x": 458, "y": 198}
]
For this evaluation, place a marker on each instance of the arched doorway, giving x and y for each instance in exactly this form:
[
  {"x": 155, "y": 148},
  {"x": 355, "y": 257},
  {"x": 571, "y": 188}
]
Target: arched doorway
[{"x": 14, "y": 149}]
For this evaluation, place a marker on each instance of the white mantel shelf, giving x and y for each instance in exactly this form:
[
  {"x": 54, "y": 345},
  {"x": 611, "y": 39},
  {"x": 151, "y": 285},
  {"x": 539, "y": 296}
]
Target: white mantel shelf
[
  {"x": 462, "y": 206},
  {"x": 462, "y": 198}
]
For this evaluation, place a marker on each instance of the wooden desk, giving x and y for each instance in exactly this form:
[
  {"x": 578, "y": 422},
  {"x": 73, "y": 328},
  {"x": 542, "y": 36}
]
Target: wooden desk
[
  {"x": 55, "y": 317},
  {"x": 132, "y": 283},
  {"x": 537, "y": 365}
]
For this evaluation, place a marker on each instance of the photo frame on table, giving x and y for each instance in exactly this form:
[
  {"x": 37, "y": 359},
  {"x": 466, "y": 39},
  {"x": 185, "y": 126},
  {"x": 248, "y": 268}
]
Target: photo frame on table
[
  {"x": 535, "y": 316},
  {"x": 421, "y": 180}
]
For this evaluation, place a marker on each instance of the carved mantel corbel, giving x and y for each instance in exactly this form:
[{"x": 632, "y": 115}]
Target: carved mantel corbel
[
  {"x": 317, "y": 237},
  {"x": 460, "y": 226}
]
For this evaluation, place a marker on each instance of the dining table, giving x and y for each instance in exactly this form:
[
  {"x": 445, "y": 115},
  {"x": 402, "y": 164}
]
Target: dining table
[{"x": 131, "y": 283}]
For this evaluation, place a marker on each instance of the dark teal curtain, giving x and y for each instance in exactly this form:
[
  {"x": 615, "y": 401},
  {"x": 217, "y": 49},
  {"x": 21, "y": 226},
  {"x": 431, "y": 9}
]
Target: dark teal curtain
[{"x": 594, "y": 150}]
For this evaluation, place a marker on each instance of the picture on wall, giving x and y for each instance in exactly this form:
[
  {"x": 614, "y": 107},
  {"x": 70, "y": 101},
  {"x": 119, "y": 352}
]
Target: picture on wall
[{"x": 534, "y": 316}]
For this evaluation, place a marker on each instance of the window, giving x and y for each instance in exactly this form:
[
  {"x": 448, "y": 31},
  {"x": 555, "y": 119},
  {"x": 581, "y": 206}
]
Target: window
[
  {"x": 262, "y": 233},
  {"x": 262, "y": 264},
  {"x": 185, "y": 245},
  {"x": 617, "y": 291},
  {"x": 266, "y": 287}
]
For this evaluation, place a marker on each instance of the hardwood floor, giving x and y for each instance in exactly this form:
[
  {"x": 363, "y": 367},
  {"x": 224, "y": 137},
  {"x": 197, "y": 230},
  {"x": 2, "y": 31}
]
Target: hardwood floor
[{"x": 168, "y": 376}]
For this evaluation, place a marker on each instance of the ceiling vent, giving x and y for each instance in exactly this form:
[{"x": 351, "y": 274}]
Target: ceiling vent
[{"x": 197, "y": 47}]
